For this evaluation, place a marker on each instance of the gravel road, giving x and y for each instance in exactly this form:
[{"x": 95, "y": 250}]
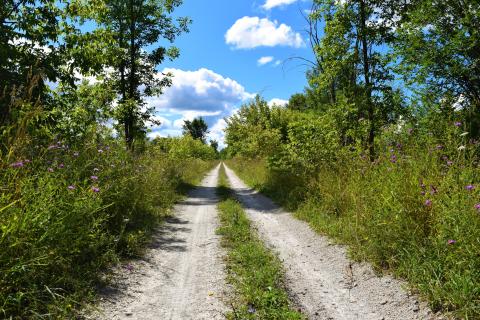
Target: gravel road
[
  {"x": 182, "y": 275},
  {"x": 320, "y": 278}
]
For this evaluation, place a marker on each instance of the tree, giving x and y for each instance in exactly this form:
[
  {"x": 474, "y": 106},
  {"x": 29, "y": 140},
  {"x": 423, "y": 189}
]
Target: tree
[
  {"x": 298, "y": 102},
  {"x": 136, "y": 26},
  {"x": 30, "y": 50},
  {"x": 214, "y": 145},
  {"x": 197, "y": 128},
  {"x": 354, "y": 61},
  {"x": 439, "y": 44}
]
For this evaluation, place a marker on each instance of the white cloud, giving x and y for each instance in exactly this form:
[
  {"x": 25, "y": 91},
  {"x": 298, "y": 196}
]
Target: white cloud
[
  {"x": 277, "y": 102},
  {"x": 269, "y": 4},
  {"x": 264, "y": 60},
  {"x": 217, "y": 132},
  {"x": 252, "y": 32},
  {"x": 200, "y": 93}
]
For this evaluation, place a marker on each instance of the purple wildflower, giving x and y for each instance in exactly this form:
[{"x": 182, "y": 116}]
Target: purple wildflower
[
  {"x": 18, "y": 164},
  {"x": 50, "y": 169},
  {"x": 449, "y": 163},
  {"x": 439, "y": 147},
  {"x": 61, "y": 166},
  {"x": 433, "y": 190},
  {"x": 470, "y": 187},
  {"x": 94, "y": 178},
  {"x": 477, "y": 206},
  {"x": 393, "y": 158},
  {"x": 100, "y": 151},
  {"x": 71, "y": 187},
  {"x": 96, "y": 189},
  {"x": 458, "y": 124},
  {"x": 423, "y": 193},
  {"x": 428, "y": 203},
  {"x": 129, "y": 267},
  {"x": 451, "y": 241}
]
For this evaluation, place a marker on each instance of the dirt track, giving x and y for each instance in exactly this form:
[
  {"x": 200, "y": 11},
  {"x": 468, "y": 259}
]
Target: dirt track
[
  {"x": 320, "y": 278},
  {"x": 182, "y": 275}
]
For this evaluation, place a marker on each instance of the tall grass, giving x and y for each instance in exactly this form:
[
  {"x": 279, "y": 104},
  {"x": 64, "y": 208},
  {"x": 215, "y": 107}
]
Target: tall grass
[
  {"x": 414, "y": 212},
  {"x": 68, "y": 213}
]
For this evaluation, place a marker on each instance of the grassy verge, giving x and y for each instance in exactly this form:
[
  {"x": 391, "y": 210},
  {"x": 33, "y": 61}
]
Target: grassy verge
[
  {"x": 67, "y": 215},
  {"x": 415, "y": 219},
  {"x": 255, "y": 272}
]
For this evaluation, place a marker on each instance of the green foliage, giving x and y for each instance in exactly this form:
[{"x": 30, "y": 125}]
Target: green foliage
[
  {"x": 254, "y": 271},
  {"x": 66, "y": 214},
  {"x": 197, "y": 129},
  {"x": 185, "y": 147},
  {"x": 401, "y": 212}
]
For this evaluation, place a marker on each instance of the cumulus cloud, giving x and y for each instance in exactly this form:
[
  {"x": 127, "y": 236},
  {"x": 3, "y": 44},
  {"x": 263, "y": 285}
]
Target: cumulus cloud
[
  {"x": 277, "y": 102},
  {"x": 202, "y": 90},
  {"x": 200, "y": 93},
  {"x": 269, "y": 4},
  {"x": 252, "y": 32},
  {"x": 264, "y": 60}
]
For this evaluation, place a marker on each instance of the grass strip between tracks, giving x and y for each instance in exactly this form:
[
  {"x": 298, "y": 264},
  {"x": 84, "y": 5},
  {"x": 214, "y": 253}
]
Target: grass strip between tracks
[{"x": 254, "y": 271}]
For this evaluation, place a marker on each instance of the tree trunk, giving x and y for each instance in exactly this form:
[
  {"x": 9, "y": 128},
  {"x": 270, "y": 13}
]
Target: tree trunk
[{"x": 368, "y": 86}]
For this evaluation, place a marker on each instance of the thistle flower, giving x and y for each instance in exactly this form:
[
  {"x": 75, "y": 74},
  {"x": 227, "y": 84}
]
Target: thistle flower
[
  {"x": 96, "y": 189},
  {"x": 61, "y": 166},
  {"x": 451, "y": 241},
  {"x": 50, "y": 169},
  {"x": 94, "y": 178},
  {"x": 428, "y": 203},
  {"x": 393, "y": 158},
  {"x": 449, "y": 163},
  {"x": 18, "y": 164},
  {"x": 470, "y": 187},
  {"x": 458, "y": 124},
  {"x": 477, "y": 206}
]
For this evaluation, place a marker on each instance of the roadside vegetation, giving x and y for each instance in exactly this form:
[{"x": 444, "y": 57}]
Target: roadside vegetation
[
  {"x": 253, "y": 270},
  {"x": 381, "y": 150},
  {"x": 82, "y": 186}
]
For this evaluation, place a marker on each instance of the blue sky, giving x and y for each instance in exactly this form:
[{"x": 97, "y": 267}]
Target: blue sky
[{"x": 220, "y": 64}]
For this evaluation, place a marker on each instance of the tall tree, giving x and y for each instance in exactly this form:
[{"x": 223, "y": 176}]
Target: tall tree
[
  {"x": 439, "y": 44},
  {"x": 30, "y": 49},
  {"x": 137, "y": 25},
  {"x": 197, "y": 128},
  {"x": 355, "y": 60}
]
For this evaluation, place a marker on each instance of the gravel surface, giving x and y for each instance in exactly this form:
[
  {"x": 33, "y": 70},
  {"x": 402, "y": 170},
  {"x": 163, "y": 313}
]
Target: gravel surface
[
  {"x": 320, "y": 278},
  {"x": 182, "y": 275}
]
